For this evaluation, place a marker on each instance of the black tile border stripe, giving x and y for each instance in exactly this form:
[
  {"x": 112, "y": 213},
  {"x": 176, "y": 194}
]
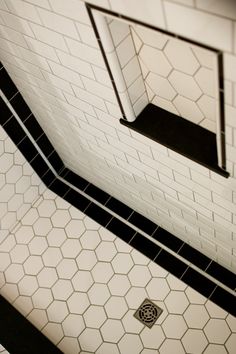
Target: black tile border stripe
[{"x": 160, "y": 256}]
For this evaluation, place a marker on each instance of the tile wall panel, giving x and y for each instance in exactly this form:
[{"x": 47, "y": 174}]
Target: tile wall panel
[{"x": 57, "y": 80}]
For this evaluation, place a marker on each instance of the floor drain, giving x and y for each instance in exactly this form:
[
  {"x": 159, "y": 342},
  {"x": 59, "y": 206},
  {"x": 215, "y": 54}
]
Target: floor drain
[{"x": 148, "y": 313}]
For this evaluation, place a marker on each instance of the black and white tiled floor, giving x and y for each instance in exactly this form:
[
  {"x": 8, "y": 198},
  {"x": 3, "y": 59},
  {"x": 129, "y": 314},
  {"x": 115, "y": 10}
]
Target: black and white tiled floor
[{"x": 73, "y": 267}]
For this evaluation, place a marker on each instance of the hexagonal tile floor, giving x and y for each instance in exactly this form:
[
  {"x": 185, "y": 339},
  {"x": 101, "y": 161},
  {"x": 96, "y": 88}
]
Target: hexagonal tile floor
[{"x": 80, "y": 285}]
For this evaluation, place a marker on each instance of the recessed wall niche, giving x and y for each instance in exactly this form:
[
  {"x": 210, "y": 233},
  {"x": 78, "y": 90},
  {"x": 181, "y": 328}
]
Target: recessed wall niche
[{"x": 151, "y": 67}]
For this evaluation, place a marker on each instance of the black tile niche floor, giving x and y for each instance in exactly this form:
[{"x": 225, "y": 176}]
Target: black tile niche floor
[{"x": 171, "y": 263}]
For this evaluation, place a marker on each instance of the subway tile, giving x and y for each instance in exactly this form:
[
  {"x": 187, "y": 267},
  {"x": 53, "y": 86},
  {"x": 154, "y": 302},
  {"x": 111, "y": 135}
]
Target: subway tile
[
  {"x": 23, "y": 9},
  {"x": 13, "y": 36},
  {"x": 17, "y": 23},
  {"x": 142, "y": 223},
  {"x": 96, "y": 193},
  {"x": 168, "y": 239},
  {"x": 194, "y": 256},
  {"x": 76, "y": 10},
  {"x": 98, "y": 214},
  {"x": 76, "y": 199},
  {"x": 170, "y": 263},
  {"x": 229, "y": 67},
  {"x": 99, "y": 90},
  {"x": 218, "y": 8},
  {"x": 145, "y": 246},
  {"x": 120, "y": 229},
  {"x": 42, "y": 49},
  {"x": 49, "y": 37},
  {"x": 203, "y": 27},
  {"x": 73, "y": 63},
  {"x": 222, "y": 274},
  {"x": 58, "y": 23}
]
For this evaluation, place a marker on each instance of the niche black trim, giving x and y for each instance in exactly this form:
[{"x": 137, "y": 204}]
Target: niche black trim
[{"x": 211, "y": 161}]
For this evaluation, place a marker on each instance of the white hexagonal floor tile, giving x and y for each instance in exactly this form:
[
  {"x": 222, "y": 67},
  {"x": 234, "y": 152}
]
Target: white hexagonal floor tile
[
  {"x": 51, "y": 257},
  {"x": 90, "y": 239},
  {"x": 24, "y": 234},
  {"x": 196, "y": 316},
  {"x": 98, "y": 294},
  {"x": 131, "y": 324},
  {"x": 108, "y": 348},
  {"x": 33, "y": 265},
  {"x": 73, "y": 325},
  {"x": 130, "y": 343},
  {"x": 215, "y": 349},
  {"x": 106, "y": 251},
  {"x": 112, "y": 331},
  {"x": 116, "y": 307},
  {"x": 56, "y": 237},
  {"x": 102, "y": 272},
  {"x": 94, "y": 316},
  {"x": 86, "y": 260},
  {"x": 135, "y": 297},
  {"x": 47, "y": 277},
  {"x": 75, "y": 228},
  {"x": 38, "y": 318},
  {"x": 46, "y": 208},
  {"x": 42, "y": 226},
  {"x": 176, "y": 302},
  {"x": 152, "y": 338},
  {"x": 69, "y": 345},
  {"x": 122, "y": 263},
  {"x": 85, "y": 340},
  {"x": 60, "y": 218},
  {"x": 54, "y": 332},
  {"x": 67, "y": 268},
  {"x": 37, "y": 245},
  {"x": 119, "y": 285},
  {"x": 28, "y": 285},
  {"x": 158, "y": 289},
  {"x": 194, "y": 341},
  {"x": 42, "y": 298},
  {"x": 78, "y": 303},
  {"x": 217, "y": 331},
  {"x": 57, "y": 311},
  {"x": 19, "y": 253},
  {"x": 174, "y": 326},
  {"x": 171, "y": 346},
  {"x": 62, "y": 289},
  {"x": 82, "y": 281}
]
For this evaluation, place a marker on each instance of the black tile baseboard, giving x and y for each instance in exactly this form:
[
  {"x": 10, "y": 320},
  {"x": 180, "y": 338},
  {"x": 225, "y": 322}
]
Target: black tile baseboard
[{"x": 171, "y": 263}]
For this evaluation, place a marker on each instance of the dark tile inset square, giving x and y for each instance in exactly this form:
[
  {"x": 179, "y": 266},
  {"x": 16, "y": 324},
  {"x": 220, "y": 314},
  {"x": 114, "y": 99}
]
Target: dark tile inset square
[
  {"x": 142, "y": 223},
  {"x": 119, "y": 208},
  {"x": 145, "y": 246},
  {"x": 48, "y": 178},
  {"x": 74, "y": 179},
  {"x": 14, "y": 130},
  {"x": 194, "y": 256},
  {"x": 76, "y": 199},
  {"x": 45, "y": 145},
  {"x": 59, "y": 187},
  {"x": 98, "y": 214},
  {"x": 33, "y": 126},
  {"x": 170, "y": 263},
  {"x": 27, "y": 149},
  {"x": 168, "y": 239},
  {"x": 222, "y": 274},
  {"x": 96, "y": 193},
  {"x": 225, "y": 300},
  {"x": 120, "y": 229},
  {"x": 198, "y": 282},
  {"x": 7, "y": 85},
  {"x": 56, "y": 161},
  {"x": 20, "y": 106}
]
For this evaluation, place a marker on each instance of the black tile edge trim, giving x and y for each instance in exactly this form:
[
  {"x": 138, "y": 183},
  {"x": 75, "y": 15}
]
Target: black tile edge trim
[
  {"x": 19, "y": 336},
  {"x": 145, "y": 246},
  {"x": 224, "y": 299},
  {"x": 142, "y": 223},
  {"x": 222, "y": 274},
  {"x": 198, "y": 282},
  {"x": 171, "y": 263},
  {"x": 178, "y": 134},
  {"x": 167, "y": 239},
  {"x": 123, "y": 231}
]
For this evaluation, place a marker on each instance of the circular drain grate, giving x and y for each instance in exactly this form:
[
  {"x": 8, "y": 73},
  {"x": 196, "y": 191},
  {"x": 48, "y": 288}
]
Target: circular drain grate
[{"x": 148, "y": 313}]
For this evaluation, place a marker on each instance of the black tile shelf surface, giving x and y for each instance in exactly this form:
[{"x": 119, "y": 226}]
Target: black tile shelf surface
[
  {"x": 129, "y": 234},
  {"x": 178, "y": 134}
]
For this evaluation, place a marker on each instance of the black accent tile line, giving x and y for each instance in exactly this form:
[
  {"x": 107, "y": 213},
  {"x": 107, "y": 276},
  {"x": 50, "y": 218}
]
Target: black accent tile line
[
  {"x": 6, "y": 113},
  {"x": 8, "y": 87},
  {"x": 11, "y": 126},
  {"x": 74, "y": 179},
  {"x": 198, "y": 282},
  {"x": 20, "y": 106},
  {"x": 98, "y": 214},
  {"x": 96, "y": 193},
  {"x": 171, "y": 263},
  {"x": 33, "y": 126},
  {"x": 19, "y": 336},
  {"x": 76, "y": 199},
  {"x": 123, "y": 231},
  {"x": 119, "y": 208},
  {"x": 194, "y": 256},
  {"x": 142, "y": 223},
  {"x": 222, "y": 274},
  {"x": 167, "y": 239},
  {"x": 145, "y": 246},
  {"x": 224, "y": 299}
]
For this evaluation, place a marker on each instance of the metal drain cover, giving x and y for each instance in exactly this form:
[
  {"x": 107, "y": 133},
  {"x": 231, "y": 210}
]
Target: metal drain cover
[{"x": 148, "y": 313}]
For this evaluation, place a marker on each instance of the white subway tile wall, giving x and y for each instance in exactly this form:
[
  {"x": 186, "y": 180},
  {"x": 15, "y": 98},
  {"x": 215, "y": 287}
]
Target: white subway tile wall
[{"x": 50, "y": 51}]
